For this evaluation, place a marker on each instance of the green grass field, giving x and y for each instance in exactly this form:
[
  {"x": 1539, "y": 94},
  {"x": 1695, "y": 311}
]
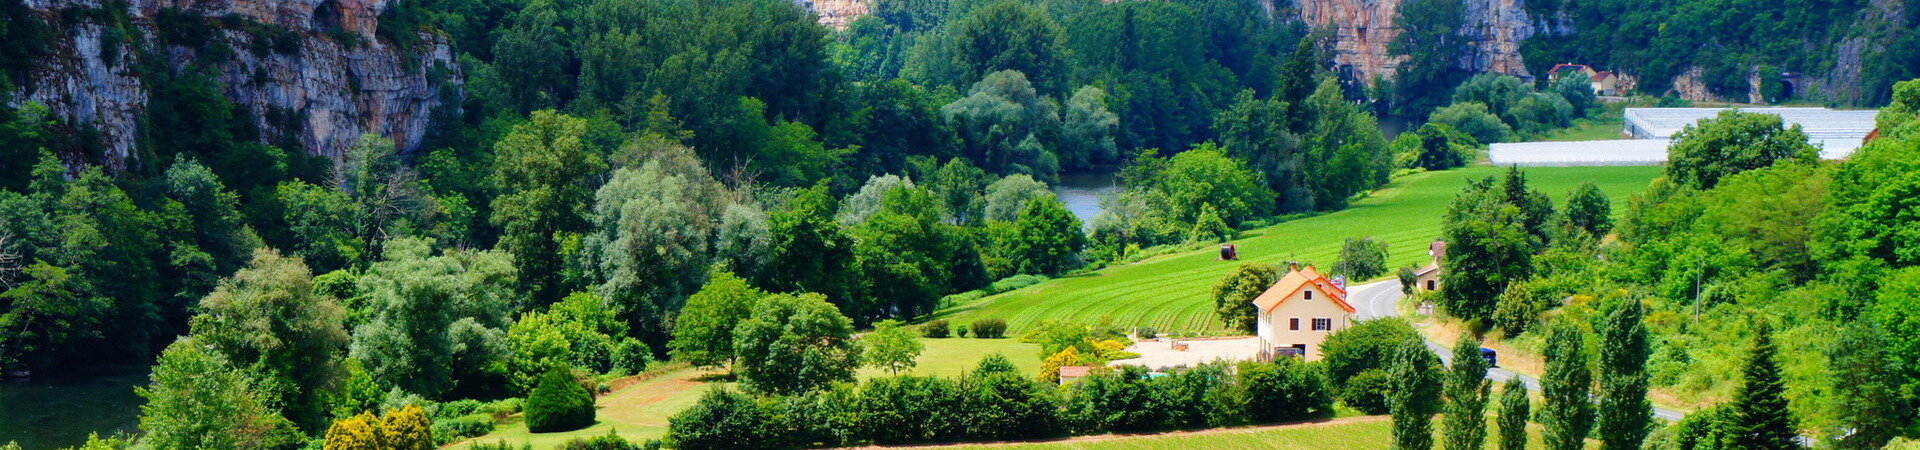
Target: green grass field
[
  {"x": 640, "y": 411},
  {"x": 1171, "y": 292},
  {"x": 1606, "y": 126},
  {"x": 1355, "y": 433}
]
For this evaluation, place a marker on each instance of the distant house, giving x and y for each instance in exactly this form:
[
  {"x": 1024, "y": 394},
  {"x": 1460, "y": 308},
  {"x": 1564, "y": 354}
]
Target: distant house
[
  {"x": 1428, "y": 278},
  {"x": 1069, "y": 374},
  {"x": 1604, "y": 83},
  {"x": 1298, "y": 313}
]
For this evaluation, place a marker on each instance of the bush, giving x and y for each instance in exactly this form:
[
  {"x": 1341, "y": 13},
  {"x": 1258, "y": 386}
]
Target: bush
[
  {"x": 408, "y": 429},
  {"x": 499, "y": 445},
  {"x": 990, "y": 328},
  {"x": 363, "y": 431},
  {"x": 1368, "y": 345},
  {"x": 936, "y": 329},
  {"x": 609, "y": 441},
  {"x": 1284, "y": 390},
  {"x": 962, "y": 331},
  {"x": 503, "y": 407},
  {"x": 723, "y": 419},
  {"x": 1147, "y": 333},
  {"x": 447, "y": 431},
  {"x": 1002, "y": 405},
  {"x": 559, "y": 403},
  {"x": 631, "y": 357},
  {"x": 1367, "y": 391},
  {"x": 909, "y": 409}
]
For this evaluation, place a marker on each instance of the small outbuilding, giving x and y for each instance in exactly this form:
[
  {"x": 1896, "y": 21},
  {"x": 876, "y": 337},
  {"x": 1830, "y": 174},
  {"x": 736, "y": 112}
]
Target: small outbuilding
[{"x": 1428, "y": 277}]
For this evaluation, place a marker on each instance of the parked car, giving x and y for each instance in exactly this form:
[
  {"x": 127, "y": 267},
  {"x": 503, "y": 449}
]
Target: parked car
[{"x": 1493, "y": 358}]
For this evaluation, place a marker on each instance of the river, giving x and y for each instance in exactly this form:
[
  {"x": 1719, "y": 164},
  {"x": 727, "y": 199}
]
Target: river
[
  {"x": 1081, "y": 192},
  {"x": 59, "y": 411}
]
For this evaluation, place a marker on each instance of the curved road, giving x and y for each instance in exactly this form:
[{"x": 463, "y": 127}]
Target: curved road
[{"x": 1381, "y": 298}]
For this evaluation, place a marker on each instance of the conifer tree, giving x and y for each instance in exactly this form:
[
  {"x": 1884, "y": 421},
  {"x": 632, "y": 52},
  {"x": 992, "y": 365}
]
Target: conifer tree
[
  {"x": 1625, "y": 416},
  {"x": 1415, "y": 397},
  {"x": 1467, "y": 393},
  {"x": 1760, "y": 416},
  {"x": 1514, "y": 409},
  {"x": 1567, "y": 412},
  {"x": 1866, "y": 391}
]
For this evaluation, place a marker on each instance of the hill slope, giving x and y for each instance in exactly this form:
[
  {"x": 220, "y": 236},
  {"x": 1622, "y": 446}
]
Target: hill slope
[{"x": 1171, "y": 292}]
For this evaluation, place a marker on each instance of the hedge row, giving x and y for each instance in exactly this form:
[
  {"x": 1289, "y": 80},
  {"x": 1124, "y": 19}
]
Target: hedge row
[{"x": 996, "y": 402}]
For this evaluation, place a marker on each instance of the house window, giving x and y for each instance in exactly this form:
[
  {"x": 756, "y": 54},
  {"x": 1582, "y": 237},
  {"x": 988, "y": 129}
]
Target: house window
[
  {"x": 1293, "y": 324},
  {"x": 1322, "y": 324},
  {"x": 1430, "y": 284},
  {"x": 1309, "y": 295}
]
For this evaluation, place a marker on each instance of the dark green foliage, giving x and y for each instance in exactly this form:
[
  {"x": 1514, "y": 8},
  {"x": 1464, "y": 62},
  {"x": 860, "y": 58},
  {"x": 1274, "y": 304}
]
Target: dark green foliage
[
  {"x": 724, "y": 419},
  {"x": 1588, "y": 209},
  {"x": 1283, "y": 390},
  {"x": 1368, "y": 391},
  {"x": 1443, "y": 147},
  {"x": 545, "y": 173},
  {"x": 1430, "y": 37},
  {"x": 1365, "y": 346},
  {"x": 1047, "y": 239},
  {"x": 1624, "y": 415},
  {"x": 1492, "y": 231},
  {"x": 1475, "y": 120},
  {"x": 1867, "y": 400},
  {"x": 1233, "y": 295},
  {"x": 1009, "y": 36},
  {"x": 1415, "y": 396},
  {"x": 1568, "y": 412},
  {"x": 811, "y": 252},
  {"x": 559, "y": 403},
  {"x": 610, "y": 441},
  {"x": 937, "y": 329},
  {"x": 1362, "y": 259},
  {"x": 1003, "y": 404},
  {"x": 1730, "y": 143},
  {"x": 1706, "y": 429},
  {"x": 989, "y": 328},
  {"x": 793, "y": 344},
  {"x": 1515, "y": 408},
  {"x": 1467, "y": 393},
  {"x": 1760, "y": 417}
]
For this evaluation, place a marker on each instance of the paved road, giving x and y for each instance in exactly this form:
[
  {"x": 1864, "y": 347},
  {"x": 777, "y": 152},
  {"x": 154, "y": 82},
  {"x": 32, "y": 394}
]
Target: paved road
[{"x": 1380, "y": 299}]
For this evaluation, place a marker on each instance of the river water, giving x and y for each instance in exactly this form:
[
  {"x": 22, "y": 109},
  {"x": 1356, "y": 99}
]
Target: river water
[
  {"x": 1081, "y": 192},
  {"x": 59, "y": 411}
]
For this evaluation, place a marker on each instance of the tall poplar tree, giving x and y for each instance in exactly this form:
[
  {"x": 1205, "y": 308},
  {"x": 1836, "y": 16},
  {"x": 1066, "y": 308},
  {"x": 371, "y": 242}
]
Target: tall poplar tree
[
  {"x": 1415, "y": 396},
  {"x": 1567, "y": 413},
  {"x": 1625, "y": 416},
  {"x": 1515, "y": 407},
  {"x": 1467, "y": 393}
]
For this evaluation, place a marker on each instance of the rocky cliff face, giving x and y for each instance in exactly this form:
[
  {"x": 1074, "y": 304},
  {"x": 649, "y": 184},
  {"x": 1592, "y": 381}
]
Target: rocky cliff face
[
  {"x": 322, "y": 78},
  {"x": 1362, "y": 29},
  {"x": 836, "y": 13}
]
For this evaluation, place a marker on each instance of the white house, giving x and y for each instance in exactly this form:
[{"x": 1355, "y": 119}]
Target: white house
[{"x": 1298, "y": 312}]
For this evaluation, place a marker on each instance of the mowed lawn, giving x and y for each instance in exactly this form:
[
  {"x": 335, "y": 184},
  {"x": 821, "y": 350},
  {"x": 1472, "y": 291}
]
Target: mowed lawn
[
  {"x": 1171, "y": 292},
  {"x": 1365, "y": 432},
  {"x": 640, "y": 411}
]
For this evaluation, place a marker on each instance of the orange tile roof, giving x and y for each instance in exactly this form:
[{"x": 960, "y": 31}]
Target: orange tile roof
[
  {"x": 1075, "y": 371},
  {"x": 1294, "y": 281}
]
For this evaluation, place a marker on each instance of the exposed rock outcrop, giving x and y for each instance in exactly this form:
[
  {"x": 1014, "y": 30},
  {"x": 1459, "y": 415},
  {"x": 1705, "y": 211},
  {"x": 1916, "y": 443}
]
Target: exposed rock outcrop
[
  {"x": 1363, "y": 29},
  {"x": 323, "y": 80},
  {"x": 837, "y": 13}
]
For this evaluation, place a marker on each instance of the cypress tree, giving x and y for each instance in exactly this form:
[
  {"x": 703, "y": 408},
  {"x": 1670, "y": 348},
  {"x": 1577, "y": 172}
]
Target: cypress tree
[
  {"x": 1514, "y": 409},
  {"x": 1625, "y": 416},
  {"x": 1567, "y": 413},
  {"x": 1415, "y": 397},
  {"x": 1866, "y": 391},
  {"x": 1467, "y": 393},
  {"x": 1760, "y": 417}
]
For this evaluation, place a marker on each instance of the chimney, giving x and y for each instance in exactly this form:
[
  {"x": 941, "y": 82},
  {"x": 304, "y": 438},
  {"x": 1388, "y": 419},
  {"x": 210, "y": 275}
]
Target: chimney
[{"x": 1293, "y": 266}]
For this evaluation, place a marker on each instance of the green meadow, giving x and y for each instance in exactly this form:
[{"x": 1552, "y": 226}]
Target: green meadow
[{"x": 1170, "y": 292}]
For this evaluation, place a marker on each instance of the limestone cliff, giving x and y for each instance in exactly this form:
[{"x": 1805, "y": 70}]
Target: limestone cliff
[
  {"x": 836, "y": 13},
  {"x": 320, "y": 77},
  {"x": 1362, "y": 29}
]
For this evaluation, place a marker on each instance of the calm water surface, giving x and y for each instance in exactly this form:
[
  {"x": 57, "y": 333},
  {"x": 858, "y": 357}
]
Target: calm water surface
[
  {"x": 1081, "y": 192},
  {"x": 49, "y": 412}
]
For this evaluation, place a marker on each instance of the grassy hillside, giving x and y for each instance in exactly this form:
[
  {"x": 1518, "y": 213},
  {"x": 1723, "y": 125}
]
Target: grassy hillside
[{"x": 1171, "y": 292}]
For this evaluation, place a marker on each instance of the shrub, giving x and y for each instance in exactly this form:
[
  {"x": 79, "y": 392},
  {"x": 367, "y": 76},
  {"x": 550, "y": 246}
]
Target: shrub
[
  {"x": 1368, "y": 345},
  {"x": 504, "y": 407},
  {"x": 359, "y": 432},
  {"x": 1050, "y": 368},
  {"x": 723, "y": 419},
  {"x": 1284, "y": 390},
  {"x": 1002, "y": 405},
  {"x": 456, "y": 408},
  {"x": 962, "y": 331},
  {"x": 909, "y": 409},
  {"x": 609, "y": 441},
  {"x": 559, "y": 403},
  {"x": 1368, "y": 391},
  {"x": 936, "y": 329},
  {"x": 990, "y": 328},
  {"x": 500, "y": 445},
  {"x": 408, "y": 429},
  {"x": 1195, "y": 398},
  {"x": 631, "y": 357},
  {"x": 1147, "y": 333},
  {"x": 447, "y": 431}
]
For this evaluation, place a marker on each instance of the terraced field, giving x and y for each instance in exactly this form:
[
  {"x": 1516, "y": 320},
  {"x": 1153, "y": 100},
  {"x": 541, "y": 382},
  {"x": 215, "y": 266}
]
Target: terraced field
[{"x": 1171, "y": 292}]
